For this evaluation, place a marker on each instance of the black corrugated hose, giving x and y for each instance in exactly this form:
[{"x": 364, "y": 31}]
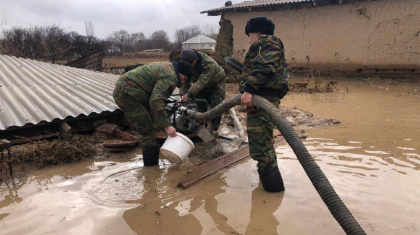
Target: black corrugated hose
[{"x": 324, "y": 188}]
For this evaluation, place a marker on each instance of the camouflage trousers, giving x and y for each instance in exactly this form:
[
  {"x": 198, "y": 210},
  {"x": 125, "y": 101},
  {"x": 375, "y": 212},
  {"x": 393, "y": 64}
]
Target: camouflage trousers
[
  {"x": 260, "y": 136},
  {"x": 215, "y": 96},
  {"x": 134, "y": 102}
]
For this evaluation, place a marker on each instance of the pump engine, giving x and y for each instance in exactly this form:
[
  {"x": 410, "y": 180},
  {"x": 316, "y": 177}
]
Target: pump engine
[{"x": 177, "y": 111}]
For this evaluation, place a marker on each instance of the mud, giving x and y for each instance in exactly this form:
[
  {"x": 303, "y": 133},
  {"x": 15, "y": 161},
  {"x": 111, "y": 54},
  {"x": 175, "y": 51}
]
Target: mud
[
  {"x": 372, "y": 158},
  {"x": 50, "y": 152}
]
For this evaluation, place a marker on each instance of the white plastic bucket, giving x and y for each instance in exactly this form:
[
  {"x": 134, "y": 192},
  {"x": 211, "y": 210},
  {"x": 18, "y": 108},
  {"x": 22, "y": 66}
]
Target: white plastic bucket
[{"x": 176, "y": 149}]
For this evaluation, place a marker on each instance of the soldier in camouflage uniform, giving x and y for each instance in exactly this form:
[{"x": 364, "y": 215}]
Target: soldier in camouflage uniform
[
  {"x": 265, "y": 73},
  {"x": 141, "y": 94},
  {"x": 208, "y": 81}
]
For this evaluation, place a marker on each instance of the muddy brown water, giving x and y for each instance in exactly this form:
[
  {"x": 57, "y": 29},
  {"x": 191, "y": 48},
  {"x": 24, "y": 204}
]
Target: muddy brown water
[{"x": 372, "y": 159}]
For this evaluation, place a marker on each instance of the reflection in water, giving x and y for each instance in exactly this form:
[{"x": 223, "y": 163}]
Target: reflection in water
[
  {"x": 51, "y": 204},
  {"x": 376, "y": 169},
  {"x": 183, "y": 207},
  {"x": 262, "y": 219},
  {"x": 405, "y": 148},
  {"x": 11, "y": 189},
  {"x": 222, "y": 209},
  {"x": 159, "y": 211},
  {"x": 10, "y": 192},
  {"x": 352, "y": 157},
  {"x": 206, "y": 209},
  {"x": 9, "y": 195}
]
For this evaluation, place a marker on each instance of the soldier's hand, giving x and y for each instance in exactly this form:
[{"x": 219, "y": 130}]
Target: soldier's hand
[
  {"x": 170, "y": 130},
  {"x": 246, "y": 99},
  {"x": 184, "y": 98}
]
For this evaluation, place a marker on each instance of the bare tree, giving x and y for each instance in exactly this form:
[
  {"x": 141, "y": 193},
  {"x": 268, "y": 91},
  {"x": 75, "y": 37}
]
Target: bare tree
[
  {"x": 119, "y": 37},
  {"x": 181, "y": 35},
  {"x": 136, "y": 41},
  {"x": 141, "y": 41},
  {"x": 20, "y": 42},
  {"x": 159, "y": 39},
  {"x": 90, "y": 29},
  {"x": 45, "y": 43},
  {"x": 209, "y": 30},
  {"x": 193, "y": 30},
  {"x": 56, "y": 43}
]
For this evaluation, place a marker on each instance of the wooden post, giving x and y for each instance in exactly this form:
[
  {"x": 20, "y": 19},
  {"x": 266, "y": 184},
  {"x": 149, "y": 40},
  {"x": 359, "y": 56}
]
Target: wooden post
[{"x": 65, "y": 129}]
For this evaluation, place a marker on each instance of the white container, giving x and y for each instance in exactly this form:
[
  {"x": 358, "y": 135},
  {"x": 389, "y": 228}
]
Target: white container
[{"x": 176, "y": 149}]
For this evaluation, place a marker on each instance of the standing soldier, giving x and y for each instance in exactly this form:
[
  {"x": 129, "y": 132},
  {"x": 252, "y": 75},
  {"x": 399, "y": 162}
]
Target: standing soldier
[
  {"x": 141, "y": 94},
  {"x": 265, "y": 73},
  {"x": 208, "y": 81}
]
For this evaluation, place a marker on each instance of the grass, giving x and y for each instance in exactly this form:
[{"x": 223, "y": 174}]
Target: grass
[{"x": 135, "y": 58}]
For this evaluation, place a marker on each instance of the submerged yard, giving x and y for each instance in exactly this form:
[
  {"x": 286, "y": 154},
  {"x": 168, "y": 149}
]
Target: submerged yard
[{"x": 372, "y": 159}]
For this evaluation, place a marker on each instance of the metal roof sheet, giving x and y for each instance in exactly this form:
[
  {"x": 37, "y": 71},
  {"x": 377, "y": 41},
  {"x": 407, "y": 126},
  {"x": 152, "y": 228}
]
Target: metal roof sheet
[
  {"x": 199, "y": 39},
  {"x": 254, "y": 4},
  {"x": 33, "y": 91}
]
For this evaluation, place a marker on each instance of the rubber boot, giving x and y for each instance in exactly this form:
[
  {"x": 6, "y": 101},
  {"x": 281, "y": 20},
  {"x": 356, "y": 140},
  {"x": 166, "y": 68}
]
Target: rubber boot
[
  {"x": 271, "y": 180},
  {"x": 150, "y": 155}
]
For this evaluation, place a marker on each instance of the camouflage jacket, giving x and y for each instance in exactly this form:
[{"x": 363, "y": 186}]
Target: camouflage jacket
[
  {"x": 265, "y": 70},
  {"x": 207, "y": 74},
  {"x": 158, "y": 80}
]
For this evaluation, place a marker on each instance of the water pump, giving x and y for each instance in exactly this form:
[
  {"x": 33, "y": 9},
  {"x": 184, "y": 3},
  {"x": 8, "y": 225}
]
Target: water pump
[{"x": 177, "y": 111}]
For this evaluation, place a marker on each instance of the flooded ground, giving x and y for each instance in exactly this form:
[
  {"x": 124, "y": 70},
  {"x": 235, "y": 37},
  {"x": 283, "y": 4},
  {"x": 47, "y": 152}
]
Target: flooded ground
[{"x": 372, "y": 158}]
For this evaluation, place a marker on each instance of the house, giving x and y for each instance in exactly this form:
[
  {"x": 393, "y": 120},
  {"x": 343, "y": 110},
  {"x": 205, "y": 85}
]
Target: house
[
  {"x": 114, "y": 50},
  {"x": 199, "y": 42},
  {"x": 328, "y": 35}
]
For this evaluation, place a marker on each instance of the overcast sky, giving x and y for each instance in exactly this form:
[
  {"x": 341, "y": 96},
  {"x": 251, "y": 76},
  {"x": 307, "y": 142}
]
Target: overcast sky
[{"x": 107, "y": 16}]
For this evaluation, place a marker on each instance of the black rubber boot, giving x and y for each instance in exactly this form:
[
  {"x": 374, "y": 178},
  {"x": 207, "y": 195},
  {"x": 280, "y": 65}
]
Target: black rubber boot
[
  {"x": 150, "y": 155},
  {"x": 271, "y": 180}
]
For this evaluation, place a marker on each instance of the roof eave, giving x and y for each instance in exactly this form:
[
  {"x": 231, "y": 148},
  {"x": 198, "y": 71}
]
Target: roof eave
[{"x": 220, "y": 10}]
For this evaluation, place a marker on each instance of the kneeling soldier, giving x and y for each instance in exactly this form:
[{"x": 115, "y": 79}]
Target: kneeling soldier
[{"x": 141, "y": 94}]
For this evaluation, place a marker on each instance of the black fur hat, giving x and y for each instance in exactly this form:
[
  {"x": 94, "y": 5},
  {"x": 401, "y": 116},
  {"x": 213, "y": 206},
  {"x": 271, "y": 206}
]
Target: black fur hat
[
  {"x": 184, "y": 68},
  {"x": 260, "y": 25}
]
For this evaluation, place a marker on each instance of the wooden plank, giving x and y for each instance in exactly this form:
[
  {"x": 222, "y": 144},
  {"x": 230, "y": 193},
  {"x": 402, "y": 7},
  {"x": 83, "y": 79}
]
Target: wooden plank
[
  {"x": 213, "y": 166},
  {"x": 92, "y": 61}
]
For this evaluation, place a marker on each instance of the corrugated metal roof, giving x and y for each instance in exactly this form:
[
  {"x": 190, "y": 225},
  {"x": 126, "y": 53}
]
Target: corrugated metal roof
[
  {"x": 33, "y": 91},
  {"x": 254, "y": 4},
  {"x": 199, "y": 39}
]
